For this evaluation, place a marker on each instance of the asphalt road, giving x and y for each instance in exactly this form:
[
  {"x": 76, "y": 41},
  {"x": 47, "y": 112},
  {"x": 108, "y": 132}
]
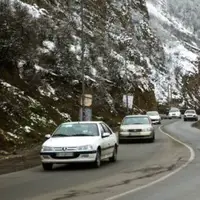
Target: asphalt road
[
  {"x": 138, "y": 163},
  {"x": 183, "y": 185}
]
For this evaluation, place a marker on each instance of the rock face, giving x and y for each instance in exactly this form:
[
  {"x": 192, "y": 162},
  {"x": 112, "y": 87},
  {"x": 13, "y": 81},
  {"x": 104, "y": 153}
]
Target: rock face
[
  {"x": 176, "y": 23},
  {"x": 40, "y": 63}
]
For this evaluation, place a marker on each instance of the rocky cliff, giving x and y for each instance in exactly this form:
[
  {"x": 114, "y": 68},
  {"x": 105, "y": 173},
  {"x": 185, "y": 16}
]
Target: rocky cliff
[
  {"x": 176, "y": 23},
  {"x": 40, "y": 63}
]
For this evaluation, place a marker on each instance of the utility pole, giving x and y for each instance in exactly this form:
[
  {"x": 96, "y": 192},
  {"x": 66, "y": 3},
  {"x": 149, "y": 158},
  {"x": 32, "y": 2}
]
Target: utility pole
[
  {"x": 82, "y": 60},
  {"x": 126, "y": 78},
  {"x": 169, "y": 94}
]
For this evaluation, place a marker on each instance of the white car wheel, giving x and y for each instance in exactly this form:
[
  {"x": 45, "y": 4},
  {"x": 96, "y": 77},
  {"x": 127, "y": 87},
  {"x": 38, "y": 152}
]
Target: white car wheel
[
  {"x": 114, "y": 155},
  {"x": 97, "y": 162},
  {"x": 152, "y": 139}
]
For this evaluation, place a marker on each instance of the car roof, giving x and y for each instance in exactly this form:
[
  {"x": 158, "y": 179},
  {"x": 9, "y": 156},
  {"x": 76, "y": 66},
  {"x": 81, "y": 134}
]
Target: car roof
[
  {"x": 190, "y": 110},
  {"x": 83, "y": 122},
  {"x": 136, "y": 116},
  {"x": 174, "y": 108},
  {"x": 152, "y": 111}
]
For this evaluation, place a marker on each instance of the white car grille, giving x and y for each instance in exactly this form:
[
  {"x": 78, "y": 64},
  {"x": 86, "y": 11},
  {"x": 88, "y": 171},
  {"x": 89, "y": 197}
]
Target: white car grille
[
  {"x": 134, "y": 130},
  {"x": 65, "y": 148}
]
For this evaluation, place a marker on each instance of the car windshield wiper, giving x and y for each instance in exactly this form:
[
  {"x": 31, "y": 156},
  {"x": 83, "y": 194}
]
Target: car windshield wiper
[
  {"x": 82, "y": 134},
  {"x": 60, "y": 135}
]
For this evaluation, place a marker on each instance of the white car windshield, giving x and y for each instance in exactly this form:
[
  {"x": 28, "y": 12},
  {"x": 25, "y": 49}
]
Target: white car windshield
[
  {"x": 190, "y": 112},
  {"x": 135, "y": 120},
  {"x": 174, "y": 110},
  {"x": 152, "y": 113},
  {"x": 74, "y": 130}
]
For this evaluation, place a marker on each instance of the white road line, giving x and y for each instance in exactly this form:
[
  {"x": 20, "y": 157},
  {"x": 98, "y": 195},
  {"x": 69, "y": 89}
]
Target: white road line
[{"x": 192, "y": 156}]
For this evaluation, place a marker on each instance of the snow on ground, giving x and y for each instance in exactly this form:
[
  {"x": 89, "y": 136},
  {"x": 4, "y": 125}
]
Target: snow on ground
[
  {"x": 160, "y": 13},
  {"x": 34, "y": 101},
  {"x": 38, "y": 68},
  {"x": 12, "y": 135},
  {"x": 176, "y": 52},
  {"x": 76, "y": 46},
  {"x": 75, "y": 82},
  {"x": 93, "y": 71},
  {"x": 8, "y": 85},
  {"x": 37, "y": 118},
  {"x": 20, "y": 65},
  {"x": 181, "y": 56},
  {"x": 46, "y": 90},
  {"x": 52, "y": 122},
  {"x": 33, "y": 10},
  {"x": 49, "y": 45},
  {"x": 14, "y": 90},
  {"x": 64, "y": 115},
  {"x": 28, "y": 129},
  {"x": 153, "y": 10},
  {"x": 41, "y": 69},
  {"x": 89, "y": 78},
  {"x": 101, "y": 63}
]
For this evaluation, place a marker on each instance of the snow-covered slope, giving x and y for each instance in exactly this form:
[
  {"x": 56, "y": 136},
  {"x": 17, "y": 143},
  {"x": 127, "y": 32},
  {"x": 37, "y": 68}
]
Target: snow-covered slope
[
  {"x": 40, "y": 62},
  {"x": 179, "y": 42}
]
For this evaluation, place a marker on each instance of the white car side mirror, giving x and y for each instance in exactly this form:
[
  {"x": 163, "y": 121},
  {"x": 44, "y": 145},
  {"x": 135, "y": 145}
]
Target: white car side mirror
[
  {"x": 47, "y": 136},
  {"x": 105, "y": 135}
]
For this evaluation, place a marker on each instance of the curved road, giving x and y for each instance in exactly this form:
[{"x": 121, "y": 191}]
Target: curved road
[
  {"x": 185, "y": 184},
  {"x": 138, "y": 164}
]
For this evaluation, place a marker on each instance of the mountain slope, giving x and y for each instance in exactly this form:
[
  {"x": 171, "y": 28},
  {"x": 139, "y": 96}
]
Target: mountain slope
[
  {"x": 40, "y": 63},
  {"x": 180, "y": 42}
]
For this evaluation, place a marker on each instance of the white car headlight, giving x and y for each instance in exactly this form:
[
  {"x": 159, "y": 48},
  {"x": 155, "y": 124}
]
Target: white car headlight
[
  {"x": 47, "y": 149},
  {"x": 85, "y": 148},
  {"x": 147, "y": 129}
]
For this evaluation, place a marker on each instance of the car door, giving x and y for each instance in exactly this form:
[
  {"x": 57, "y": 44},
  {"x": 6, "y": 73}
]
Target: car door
[
  {"x": 113, "y": 136},
  {"x": 109, "y": 140},
  {"x": 104, "y": 143}
]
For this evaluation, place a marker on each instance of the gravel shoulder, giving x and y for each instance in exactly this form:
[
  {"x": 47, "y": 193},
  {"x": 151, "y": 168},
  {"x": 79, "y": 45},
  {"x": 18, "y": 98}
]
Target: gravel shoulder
[{"x": 24, "y": 160}]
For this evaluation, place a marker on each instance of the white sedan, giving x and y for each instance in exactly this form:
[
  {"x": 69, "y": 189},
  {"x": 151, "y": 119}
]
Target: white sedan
[
  {"x": 137, "y": 127},
  {"x": 76, "y": 142},
  {"x": 154, "y": 116},
  {"x": 174, "y": 113},
  {"x": 190, "y": 115}
]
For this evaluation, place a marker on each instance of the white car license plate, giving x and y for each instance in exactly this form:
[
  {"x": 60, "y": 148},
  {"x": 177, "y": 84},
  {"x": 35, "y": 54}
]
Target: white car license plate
[
  {"x": 64, "y": 154},
  {"x": 134, "y": 133}
]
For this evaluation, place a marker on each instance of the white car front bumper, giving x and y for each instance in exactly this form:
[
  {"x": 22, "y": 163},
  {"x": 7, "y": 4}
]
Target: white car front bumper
[
  {"x": 51, "y": 157},
  {"x": 136, "y": 135},
  {"x": 174, "y": 116},
  {"x": 194, "y": 117}
]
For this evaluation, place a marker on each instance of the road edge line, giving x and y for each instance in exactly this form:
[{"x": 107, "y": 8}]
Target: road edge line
[{"x": 191, "y": 158}]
